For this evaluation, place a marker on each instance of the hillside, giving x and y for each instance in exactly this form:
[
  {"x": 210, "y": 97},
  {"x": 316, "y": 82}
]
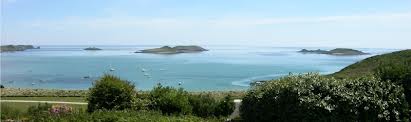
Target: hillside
[{"x": 368, "y": 65}]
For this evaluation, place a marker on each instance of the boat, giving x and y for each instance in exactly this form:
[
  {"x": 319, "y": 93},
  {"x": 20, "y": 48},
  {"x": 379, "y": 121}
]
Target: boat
[
  {"x": 179, "y": 83},
  {"x": 143, "y": 70},
  {"x": 86, "y": 77},
  {"x": 111, "y": 68},
  {"x": 33, "y": 83},
  {"x": 146, "y": 74}
]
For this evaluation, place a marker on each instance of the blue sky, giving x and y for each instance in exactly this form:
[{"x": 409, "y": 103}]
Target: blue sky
[{"x": 312, "y": 23}]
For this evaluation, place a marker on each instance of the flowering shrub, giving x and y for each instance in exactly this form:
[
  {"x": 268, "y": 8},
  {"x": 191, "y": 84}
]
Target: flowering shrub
[
  {"x": 60, "y": 110},
  {"x": 313, "y": 97}
]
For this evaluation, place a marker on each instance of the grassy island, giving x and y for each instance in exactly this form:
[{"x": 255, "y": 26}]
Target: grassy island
[
  {"x": 92, "y": 48},
  {"x": 174, "y": 50},
  {"x": 13, "y": 48},
  {"x": 337, "y": 51}
]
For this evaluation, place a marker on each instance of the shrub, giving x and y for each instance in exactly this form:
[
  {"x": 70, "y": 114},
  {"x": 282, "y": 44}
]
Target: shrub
[
  {"x": 225, "y": 107},
  {"x": 204, "y": 105},
  {"x": 399, "y": 73},
  {"x": 111, "y": 93},
  {"x": 313, "y": 97},
  {"x": 170, "y": 100}
]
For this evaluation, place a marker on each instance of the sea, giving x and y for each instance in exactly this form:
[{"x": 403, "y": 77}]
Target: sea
[{"x": 222, "y": 68}]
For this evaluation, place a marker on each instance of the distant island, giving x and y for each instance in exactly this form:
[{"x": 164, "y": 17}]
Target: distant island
[
  {"x": 174, "y": 50},
  {"x": 337, "y": 51},
  {"x": 13, "y": 48},
  {"x": 92, "y": 48}
]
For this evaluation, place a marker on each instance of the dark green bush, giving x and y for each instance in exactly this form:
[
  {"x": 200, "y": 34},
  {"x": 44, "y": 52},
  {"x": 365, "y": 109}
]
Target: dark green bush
[
  {"x": 170, "y": 100},
  {"x": 225, "y": 107},
  {"x": 111, "y": 93},
  {"x": 204, "y": 105},
  {"x": 313, "y": 97},
  {"x": 399, "y": 73}
]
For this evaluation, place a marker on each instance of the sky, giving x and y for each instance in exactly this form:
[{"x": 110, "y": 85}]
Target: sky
[{"x": 277, "y": 23}]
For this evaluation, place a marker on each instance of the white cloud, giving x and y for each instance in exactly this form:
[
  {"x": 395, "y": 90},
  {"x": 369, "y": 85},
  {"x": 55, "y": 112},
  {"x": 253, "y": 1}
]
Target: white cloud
[
  {"x": 378, "y": 30},
  {"x": 119, "y": 22}
]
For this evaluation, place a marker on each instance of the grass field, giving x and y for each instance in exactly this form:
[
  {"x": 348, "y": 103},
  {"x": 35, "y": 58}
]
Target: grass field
[
  {"x": 65, "y": 99},
  {"x": 24, "y": 106}
]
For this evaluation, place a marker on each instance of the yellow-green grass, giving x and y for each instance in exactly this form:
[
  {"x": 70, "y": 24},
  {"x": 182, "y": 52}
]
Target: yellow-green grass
[
  {"x": 24, "y": 106},
  {"x": 63, "y": 99}
]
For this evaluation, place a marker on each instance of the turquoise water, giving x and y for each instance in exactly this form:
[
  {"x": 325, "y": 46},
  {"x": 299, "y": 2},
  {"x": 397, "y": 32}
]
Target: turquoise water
[{"x": 221, "y": 68}]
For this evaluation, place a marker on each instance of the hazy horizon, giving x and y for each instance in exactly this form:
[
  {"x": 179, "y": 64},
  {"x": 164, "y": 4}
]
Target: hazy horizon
[{"x": 349, "y": 24}]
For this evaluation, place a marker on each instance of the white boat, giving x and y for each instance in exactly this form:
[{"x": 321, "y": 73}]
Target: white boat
[
  {"x": 111, "y": 68},
  {"x": 143, "y": 70},
  {"x": 179, "y": 83},
  {"x": 33, "y": 83},
  {"x": 146, "y": 74}
]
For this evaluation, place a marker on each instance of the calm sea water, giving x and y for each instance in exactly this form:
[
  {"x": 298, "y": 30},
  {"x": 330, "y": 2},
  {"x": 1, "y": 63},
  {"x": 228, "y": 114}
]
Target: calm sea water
[{"x": 221, "y": 68}]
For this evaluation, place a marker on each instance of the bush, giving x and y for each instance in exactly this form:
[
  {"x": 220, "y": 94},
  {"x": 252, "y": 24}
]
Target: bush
[
  {"x": 313, "y": 97},
  {"x": 203, "y": 105},
  {"x": 225, "y": 107},
  {"x": 111, "y": 93},
  {"x": 169, "y": 100},
  {"x": 399, "y": 73}
]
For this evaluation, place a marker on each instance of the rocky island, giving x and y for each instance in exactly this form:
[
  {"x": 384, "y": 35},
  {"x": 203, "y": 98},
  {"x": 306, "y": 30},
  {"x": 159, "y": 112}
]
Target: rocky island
[
  {"x": 92, "y": 48},
  {"x": 174, "y": 50},
  {"x": 13, "y": 48},
  {"x": 337, "y": 51}
]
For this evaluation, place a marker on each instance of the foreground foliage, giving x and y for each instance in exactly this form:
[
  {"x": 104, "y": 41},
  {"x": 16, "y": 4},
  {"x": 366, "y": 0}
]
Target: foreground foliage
[
  {"x": 399, "y": 73},
  {"x": 110, "y": 93},
  {"x": 52, "y": 113},
  {"x": 312, "y": 97}
]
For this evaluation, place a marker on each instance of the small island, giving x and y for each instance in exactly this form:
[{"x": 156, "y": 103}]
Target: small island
[
  {"x": 92, "y": 48},
  {"x": 337, "y": 51},
  {"x": 174, "y": 50},
  {"x": 13, "y": 48}
]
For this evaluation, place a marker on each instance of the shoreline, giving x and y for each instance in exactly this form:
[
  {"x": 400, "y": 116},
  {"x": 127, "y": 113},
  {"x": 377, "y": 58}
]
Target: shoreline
[{"x": 26, "y": 92}]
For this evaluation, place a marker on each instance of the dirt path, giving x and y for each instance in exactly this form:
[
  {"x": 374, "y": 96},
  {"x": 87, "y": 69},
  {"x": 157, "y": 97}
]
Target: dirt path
[
  {"x": 236, "y": 112},
  {"x": 32, "y": 101}
]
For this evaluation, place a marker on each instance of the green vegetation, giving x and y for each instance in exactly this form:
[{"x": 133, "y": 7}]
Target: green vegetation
[
  {"x": 65, "y": 99},
  {"x": 173, "y": 50},
  {"x": 336, "y": 51},
  {"x": 13, "y": 92},
  {"x": 399, "y": 73},
  {"x": 369, "y": 65},
  {"x": 12, "y": 48},
  {"x": 58, "y": 113},
  {"x": 395, "y": 67},
  {"x": 313, "y": 97},
  {"x": 110, "y": 93},
  {"x": 170, "y": 100}
]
